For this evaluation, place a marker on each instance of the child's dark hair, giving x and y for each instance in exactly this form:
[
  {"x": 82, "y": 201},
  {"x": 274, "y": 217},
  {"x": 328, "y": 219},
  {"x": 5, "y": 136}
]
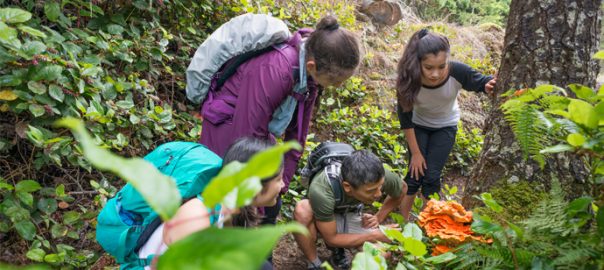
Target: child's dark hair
[
  {"x": 409, "y": 79},
  {"x": 333, "y": 48},
  {"x": 242, "y": 150},
  {"x": 362, "y": 167}
]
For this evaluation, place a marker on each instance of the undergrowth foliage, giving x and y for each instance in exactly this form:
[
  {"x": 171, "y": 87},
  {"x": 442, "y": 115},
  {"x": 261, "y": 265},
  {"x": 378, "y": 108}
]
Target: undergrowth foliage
[{"x": 117, "y": 65}]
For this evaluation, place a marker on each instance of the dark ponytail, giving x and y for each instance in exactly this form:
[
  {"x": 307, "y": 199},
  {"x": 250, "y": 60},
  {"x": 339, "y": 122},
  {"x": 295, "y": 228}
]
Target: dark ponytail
[
  {"x": 409, "y": 79},
  {"x": 333, "y": 48}
]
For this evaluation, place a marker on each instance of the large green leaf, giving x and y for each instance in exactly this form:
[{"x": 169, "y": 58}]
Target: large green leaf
[
  {"x": 27, "y": 186},
  {"x": 260, "y": 166},
  {"x": 578, "y": 205},
  {"x": 36, "y": 110},
  {"x": 142, "y": 175},
  {"x": 32, "y": 48},
  {"x": 367, "y": 261},
  {"x": 229, "y": 248},
  {"x": 48, "y": 73},
  {"x": 52, "y": 11},
  {"x": 413, "y": 231},
  {"x": 14, "y": 15},
  {"x": 583, "y": 113},
  {"x": 8, "y": 35},
  {"x": 26, "y": 229},
  {"x": 415, "y": 247},
  {"x": 575, "y": 139},
  {"x": 31, "y": 31},
  {"x": 56, "y": 92},
  {"x": 582, "y": 91}
]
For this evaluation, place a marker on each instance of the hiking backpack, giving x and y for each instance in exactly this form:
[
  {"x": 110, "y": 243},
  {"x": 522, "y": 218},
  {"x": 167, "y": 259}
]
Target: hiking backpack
[
  {"x": 126, "y": 222},
  {"x": 328, "y": 157},
  {"x": 232, "y": 44}
]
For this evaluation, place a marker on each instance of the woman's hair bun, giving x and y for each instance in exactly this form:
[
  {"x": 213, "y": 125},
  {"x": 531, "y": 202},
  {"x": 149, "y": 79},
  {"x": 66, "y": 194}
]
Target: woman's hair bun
[{"x": 329, "y": 23}]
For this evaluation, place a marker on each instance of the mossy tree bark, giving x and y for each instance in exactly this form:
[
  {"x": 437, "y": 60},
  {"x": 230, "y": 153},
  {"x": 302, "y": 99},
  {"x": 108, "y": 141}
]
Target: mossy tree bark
[{"x": 549, "y": 42}]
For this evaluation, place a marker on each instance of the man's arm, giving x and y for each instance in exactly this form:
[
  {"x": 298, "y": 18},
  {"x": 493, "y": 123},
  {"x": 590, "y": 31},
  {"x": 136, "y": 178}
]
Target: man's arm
[
  {"x": 347, "y": 240},
  {"x": 388, "y": 206}
]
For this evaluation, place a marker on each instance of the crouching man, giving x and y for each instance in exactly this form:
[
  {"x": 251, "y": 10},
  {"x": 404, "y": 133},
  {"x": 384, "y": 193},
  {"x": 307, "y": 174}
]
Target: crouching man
[{"x": 335, "y": 202}]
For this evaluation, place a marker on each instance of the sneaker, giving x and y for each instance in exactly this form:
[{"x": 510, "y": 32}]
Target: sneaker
[{"x": 339, "y": 259}]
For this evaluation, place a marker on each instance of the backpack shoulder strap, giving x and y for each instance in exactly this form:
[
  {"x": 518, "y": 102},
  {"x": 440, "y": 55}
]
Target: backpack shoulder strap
[
  {"x": 333, "y": 175},
  {"x": 232, "y": 66}
]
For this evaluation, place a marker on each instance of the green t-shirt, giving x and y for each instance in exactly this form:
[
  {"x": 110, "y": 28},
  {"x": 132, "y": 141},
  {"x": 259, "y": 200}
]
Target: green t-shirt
[{"x": 323, "y": 202}]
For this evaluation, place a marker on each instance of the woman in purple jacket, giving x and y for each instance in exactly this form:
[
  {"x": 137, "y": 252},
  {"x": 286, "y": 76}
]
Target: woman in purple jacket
[{"x": 261, "y": 84}]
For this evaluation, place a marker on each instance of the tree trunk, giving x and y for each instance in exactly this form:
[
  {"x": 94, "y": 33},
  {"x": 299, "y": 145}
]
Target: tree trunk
[{"x": 546, "y": 42}]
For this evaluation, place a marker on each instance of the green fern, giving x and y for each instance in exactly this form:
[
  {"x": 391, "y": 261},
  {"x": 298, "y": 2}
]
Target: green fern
[
  {"x": 529, "y": 125},
  {"x": 549, "y": 218}
]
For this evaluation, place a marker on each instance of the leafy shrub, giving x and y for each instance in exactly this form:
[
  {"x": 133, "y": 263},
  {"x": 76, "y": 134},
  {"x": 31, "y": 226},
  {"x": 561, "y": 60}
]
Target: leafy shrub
[
  {"x": 464, "y": 12},
  {"x": 466, "y": 149}
]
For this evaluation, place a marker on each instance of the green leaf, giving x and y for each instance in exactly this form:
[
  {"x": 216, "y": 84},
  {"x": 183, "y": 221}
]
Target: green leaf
[
  {"x": 413, "y": 231},
  {"x": 582, "y": 92},
  {"x": 36, "y": 255},
  {"x": 26, "y": 229},
  {"x": 578, "y": 205},
  {"x": 48, "y": 73},
  {"x": 115, "y": 29},
  {"x": 58, "y": 230},
  {"x": 490, "y": 202},
  {"x": 32, "y": 48},
  {"x": 91, "y": 71},
  {"x": 228, "y": 248},
  {"x": 415, "y": 247},
  {"x": 483, "y": 225},
  {"x": 599, "y": 55},
  {"x": 142, "y": 175},
  {"x": 8, "y": 35},
  {"x": 71, "y": 217},
  {"x": 442, "y": 258},
  {"x": 47, "y": 205},
  {"x": 52, "y": 11},
  {"x": 575, "y": 139},
  {"x": 27, "y": 186},
  {"x": 393, "y": 234},
  {"x": 261, "y": 165},
  {"x": 243, "y": 194},
  {"x": 583, "y": 113},
  {"x": 36, "y": 136},
  {"x": 53, "y": 258},
  {"x": 36, "y": 110},
  {"x": 600, "y": 221},
  {"x": 36, "y": 87},
  {"x": 25, "y": 197},
  {"x": 125, "y": 104},
  {"x": 56, "y": 92},
  {"x": 367, "y": 261},
  {"x": 31, "y": 31},
  {"x": 557, "y": 149},
  {"x": 14, "y": 15}
]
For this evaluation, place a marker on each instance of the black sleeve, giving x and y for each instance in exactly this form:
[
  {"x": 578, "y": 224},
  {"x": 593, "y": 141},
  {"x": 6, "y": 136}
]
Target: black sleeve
[
  {"x": 469, "y": 78},
  {"x": 405, "y": 118}
]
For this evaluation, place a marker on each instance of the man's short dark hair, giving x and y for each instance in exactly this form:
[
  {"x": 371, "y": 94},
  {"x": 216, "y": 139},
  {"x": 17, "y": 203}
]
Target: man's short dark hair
[{"x": 362, "y": 167}]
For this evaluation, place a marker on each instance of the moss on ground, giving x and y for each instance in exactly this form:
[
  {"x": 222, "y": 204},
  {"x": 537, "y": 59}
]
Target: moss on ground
[{"x": 517, "y": 199}]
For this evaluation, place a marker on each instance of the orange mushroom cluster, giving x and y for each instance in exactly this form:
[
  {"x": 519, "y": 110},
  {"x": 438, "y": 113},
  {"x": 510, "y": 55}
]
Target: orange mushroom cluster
[{"x": 448, "y": 221}]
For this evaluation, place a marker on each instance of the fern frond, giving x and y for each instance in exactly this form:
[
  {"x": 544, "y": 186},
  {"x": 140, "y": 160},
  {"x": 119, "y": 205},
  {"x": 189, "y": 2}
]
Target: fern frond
[
  {"x": 529, "y": 125},
  {"x": 549, "y": 218}
]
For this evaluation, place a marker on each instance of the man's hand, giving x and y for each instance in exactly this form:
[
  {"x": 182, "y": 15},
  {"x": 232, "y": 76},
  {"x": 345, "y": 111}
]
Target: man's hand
[
  {"x": 370, "y": 221},
  {"x": 490, "y": 86}
]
